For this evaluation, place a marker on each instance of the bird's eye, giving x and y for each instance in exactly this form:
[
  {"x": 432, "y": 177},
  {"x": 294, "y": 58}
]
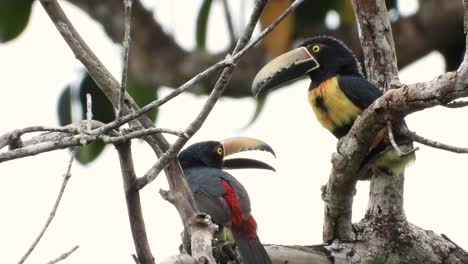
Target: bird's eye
[
  {"x": 219, "y": 151},
  {"x": 316, "y": 48}
]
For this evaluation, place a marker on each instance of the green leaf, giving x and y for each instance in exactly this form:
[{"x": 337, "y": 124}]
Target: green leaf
[
  {"x": 202, "y": 24},
  {"x": 88, "y": 153},
  {"x": 102, "y": 108},
  {"x": 258, "y": 110},
  {"x": 14, "y": 16},
  {"x": 143, "y": 95},
  {"x": 64, "y": 108}
]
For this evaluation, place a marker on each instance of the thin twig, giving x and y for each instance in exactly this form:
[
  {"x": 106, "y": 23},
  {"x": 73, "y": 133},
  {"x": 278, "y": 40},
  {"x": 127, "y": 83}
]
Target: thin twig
[
  {"x": 228, "y": 62},
  {"x": 395, "y": 145},
  {"x": 268, "y": 29},
  {"x": 174, "y": 93},
  {"x": 66, "y": 177},
  {"x": 126, "y": 51},
  {"x": 240, "y": 48},
  {"x": 63, "y": 256},
  {"x": 433, "y": 143},
  {"x": 100, "y": 74},
  {"x": 456, "y": 104},
  {"x": 227, "y": 14},
  {"x": 89, "y": 111}
]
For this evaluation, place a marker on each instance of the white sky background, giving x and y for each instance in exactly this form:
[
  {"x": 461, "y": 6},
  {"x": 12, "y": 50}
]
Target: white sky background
[{"x": 287, "y": 205}]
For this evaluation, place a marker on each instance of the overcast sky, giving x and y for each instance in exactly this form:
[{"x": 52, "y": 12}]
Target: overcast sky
[{"x": 286, "y": 204}]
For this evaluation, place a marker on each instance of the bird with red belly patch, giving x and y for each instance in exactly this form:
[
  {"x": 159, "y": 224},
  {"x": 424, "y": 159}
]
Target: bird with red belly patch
[
  {"x": 220, "y": 195},
  {"x": 338, "y": 93}
]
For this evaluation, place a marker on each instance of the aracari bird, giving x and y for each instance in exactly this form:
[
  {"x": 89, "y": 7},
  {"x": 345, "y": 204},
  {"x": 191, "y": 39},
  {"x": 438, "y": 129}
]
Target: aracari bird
[
  {"x": 338, "y": 93},
  {"x": 220, "y": 195}
]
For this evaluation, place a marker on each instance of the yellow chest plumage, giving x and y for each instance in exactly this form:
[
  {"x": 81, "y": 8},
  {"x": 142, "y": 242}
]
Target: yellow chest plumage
[{"x": 331, "y": 106}]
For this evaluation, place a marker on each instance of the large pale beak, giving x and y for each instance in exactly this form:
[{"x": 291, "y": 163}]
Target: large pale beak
[
  {"x": 284, "y": 69},
  {"x": 239, "y": 144}
]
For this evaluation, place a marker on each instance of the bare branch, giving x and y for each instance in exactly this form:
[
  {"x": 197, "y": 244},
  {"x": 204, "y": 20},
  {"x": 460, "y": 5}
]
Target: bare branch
[
  {"x": 63, "y": 256},
  {"x": 227, "y": 62},
  {"x": 377, "y": 41},
  {"x": 66, "y": 177},
  {"x": 433, "y": 143},
  {"x": 189, "y": 84},
  {"x": 6, "y": 138},
  {"x": 380, "y": 60},
  {"x": 239, "y": 50},
  {"x": 417, "y": 35},
  {"x": 230, "y": 25},
  {"x": 9, "y": 137},
  {"x": 72, "y": 135},
  {"x": 202, "y": 231},
  {"x": 110, "y": 87},
  {"x": 456, "y": 104},
  {"x": 395, "y": 145},
  {"x": 199, "y": 232},
  {"x": 103, "y": 78},
  {"x": 126, "y": 50},
  {"x": 89, "y": 111},
  {"x": 132, "y": 197},
  {"x": 140, "y": 134},
  {"x": 464, "y": 66}
]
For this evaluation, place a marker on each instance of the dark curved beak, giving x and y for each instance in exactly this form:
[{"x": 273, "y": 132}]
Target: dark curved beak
[
  {"x": 284, "y": 69},
  {"x": 239, "y": 144},
  {"x": 241, "y": 163}
]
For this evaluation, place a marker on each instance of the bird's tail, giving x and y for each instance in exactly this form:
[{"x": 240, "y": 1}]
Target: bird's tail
[{"x": 252, "y": 250}]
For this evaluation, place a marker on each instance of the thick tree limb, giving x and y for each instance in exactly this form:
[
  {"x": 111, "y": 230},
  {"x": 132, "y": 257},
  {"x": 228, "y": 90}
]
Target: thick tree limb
[
  {"x": 375, "y": 30},
  {"x": 397, "y": 103},
  {"x": 279, "y": 254},
  {"x": 132, "y": 197}
]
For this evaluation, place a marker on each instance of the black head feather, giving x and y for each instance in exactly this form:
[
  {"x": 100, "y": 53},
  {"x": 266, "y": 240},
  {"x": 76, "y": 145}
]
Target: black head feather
[
  {"x": 334, "y": 58},
  {"x": 202, "y": 154}
]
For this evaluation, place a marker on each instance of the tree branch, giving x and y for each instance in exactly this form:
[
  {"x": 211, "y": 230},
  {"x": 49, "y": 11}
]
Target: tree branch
[
  {"x": 63, "y": 256},
  {"x": 230, "y": 25},
  {"x": 71, "y": 136},
  {"x": 66, "y": 177},
  {"x": 241, "y": 48},
  {"x": 433, "y": 143},
  {"x": 395, "y": 103},
  {"x": 456, "y": 104},
  {"x": 132, "y": 197},
  {"x": 154, "y": 49},
  {"x": 126, "y": 50},
  {"x": 110, "y": 86},
  {"x": 6, "y": 138}
]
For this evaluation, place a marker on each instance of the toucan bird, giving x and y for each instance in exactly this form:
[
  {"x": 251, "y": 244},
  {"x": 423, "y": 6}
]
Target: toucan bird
[
  {"x": 338, "y": 93},
  {"x": 220, "y": 195}
]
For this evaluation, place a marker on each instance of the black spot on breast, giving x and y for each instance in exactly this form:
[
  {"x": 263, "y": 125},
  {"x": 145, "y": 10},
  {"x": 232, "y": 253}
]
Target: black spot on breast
[
  {"x": 341, "y": 131},
  {"x": 319, "y": 103}
]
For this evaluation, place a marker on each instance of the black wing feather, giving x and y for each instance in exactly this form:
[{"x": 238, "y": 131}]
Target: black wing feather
[{"x": 359, "y": 90}]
